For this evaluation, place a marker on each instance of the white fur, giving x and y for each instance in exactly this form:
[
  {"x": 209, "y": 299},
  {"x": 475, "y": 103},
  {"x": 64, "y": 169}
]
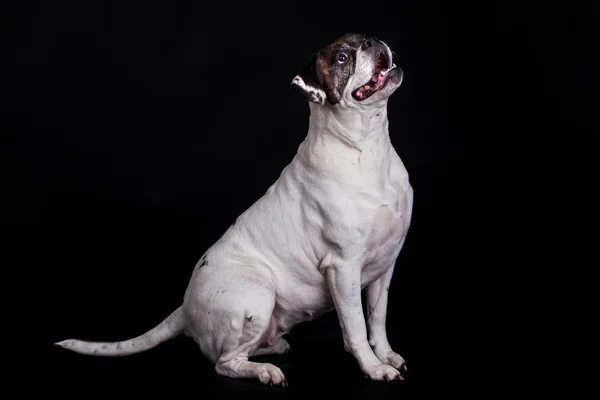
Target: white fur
[
  {"x": 332, "y": 224},
  {"x": 319, "y": 95}
]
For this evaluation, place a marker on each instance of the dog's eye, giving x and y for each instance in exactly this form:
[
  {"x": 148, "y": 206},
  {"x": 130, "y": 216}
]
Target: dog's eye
[{"x": 342, "y": 58}]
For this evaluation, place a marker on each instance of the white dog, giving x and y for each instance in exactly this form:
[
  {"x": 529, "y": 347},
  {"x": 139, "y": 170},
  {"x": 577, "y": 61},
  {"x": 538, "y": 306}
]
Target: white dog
[{"x": 332, "y": 224}]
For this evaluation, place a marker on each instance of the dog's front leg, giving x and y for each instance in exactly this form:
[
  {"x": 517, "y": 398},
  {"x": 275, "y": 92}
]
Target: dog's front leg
[
  {"x": 377, "y": 300},
  {"x": 343, "y": 280}
]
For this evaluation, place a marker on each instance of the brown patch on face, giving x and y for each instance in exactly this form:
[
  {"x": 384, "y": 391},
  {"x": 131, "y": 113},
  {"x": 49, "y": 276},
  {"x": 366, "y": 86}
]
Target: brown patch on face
[{"x": 323, "y": 66}]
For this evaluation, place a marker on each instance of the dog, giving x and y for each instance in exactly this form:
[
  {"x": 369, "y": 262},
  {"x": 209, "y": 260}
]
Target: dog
[{"x": 331, "y": 225}]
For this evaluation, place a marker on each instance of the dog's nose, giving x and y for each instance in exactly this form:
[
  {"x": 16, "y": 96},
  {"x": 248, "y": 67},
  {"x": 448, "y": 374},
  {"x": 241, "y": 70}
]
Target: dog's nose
[{"x": 369, "y": 41}]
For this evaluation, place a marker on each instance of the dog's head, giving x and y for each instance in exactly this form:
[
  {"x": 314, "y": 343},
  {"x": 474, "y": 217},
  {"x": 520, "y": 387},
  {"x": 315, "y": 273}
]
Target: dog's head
[{"x": 354, "y": 68}]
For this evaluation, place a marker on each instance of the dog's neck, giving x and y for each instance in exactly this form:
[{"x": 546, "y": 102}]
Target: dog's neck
[
  {"x": 343, "y": 140},
  {"x": 353, "y": 124}
]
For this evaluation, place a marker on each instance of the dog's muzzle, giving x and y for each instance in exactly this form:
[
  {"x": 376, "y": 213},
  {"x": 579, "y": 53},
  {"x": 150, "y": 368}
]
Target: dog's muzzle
[{"x": 383, "y": 67}]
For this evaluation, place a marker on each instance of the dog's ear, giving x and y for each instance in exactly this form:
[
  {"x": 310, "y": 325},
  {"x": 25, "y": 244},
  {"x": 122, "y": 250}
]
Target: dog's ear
[{"x": 307, "y": 84}]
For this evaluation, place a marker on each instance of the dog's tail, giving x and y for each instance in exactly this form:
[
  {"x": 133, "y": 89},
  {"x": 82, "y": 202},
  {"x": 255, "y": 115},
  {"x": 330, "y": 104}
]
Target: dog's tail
[{"x": 172, "y": 326}]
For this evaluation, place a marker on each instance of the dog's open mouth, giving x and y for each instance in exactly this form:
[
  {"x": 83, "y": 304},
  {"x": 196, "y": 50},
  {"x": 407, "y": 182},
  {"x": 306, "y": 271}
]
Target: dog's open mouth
[{"x": 377, "y": 81}]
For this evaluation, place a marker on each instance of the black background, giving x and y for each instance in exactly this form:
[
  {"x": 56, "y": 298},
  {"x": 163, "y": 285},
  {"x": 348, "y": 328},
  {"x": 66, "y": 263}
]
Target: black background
[{"x": 135, "y": 132}]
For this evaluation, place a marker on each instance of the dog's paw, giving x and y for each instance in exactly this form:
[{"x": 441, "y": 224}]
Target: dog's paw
[
  {"x": 394, "y": 359},
  {"x": 382, "y": 372},
  {"x": 271, "y": 375}
]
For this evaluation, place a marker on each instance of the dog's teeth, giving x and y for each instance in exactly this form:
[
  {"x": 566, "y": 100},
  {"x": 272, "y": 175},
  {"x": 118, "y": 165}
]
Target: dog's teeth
[{"x": 393, "y": 65}]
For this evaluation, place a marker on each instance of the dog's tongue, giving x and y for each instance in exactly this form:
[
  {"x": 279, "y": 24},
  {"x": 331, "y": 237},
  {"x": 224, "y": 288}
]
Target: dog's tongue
[
  {"x": 374, "y": 84},
  {"x": 360, "y": 93}
]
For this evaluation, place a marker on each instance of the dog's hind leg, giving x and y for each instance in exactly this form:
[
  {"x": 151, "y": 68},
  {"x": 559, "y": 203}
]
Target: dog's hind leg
[
  {"x": 235, "y": 323},
  {"x": 257, "y": 329},
  {"x": 240, "y": 367}
]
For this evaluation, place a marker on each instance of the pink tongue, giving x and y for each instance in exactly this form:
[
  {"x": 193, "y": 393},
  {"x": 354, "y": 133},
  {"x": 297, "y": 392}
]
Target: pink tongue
[{"x": 379, "y": 80}]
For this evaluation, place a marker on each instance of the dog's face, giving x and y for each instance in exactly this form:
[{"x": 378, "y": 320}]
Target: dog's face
[{"x": 354, "y": 68}]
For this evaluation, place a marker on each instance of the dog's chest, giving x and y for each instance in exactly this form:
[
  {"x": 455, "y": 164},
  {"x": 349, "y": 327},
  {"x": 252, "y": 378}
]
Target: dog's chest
[{"x": 387, "y": 226}]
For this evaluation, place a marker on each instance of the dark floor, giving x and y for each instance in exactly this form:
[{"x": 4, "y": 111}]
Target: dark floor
[{"x": 315, "y": 366}]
